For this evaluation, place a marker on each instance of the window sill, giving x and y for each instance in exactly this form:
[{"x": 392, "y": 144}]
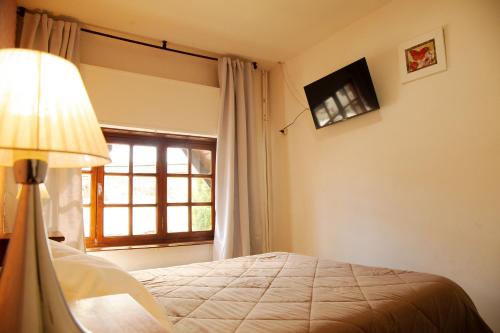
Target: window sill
[{"x": 145, "y": 246}]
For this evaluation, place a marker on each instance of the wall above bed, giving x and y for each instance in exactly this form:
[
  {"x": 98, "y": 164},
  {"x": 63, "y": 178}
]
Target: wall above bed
[{"x": 417, "y": 184}]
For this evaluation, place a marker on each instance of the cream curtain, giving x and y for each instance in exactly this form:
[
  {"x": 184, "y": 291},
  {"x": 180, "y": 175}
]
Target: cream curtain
[
  {"x": 242, "y": 204},
  {"x": 43, "y": 33},
  {"x": 63, "y": 210}
]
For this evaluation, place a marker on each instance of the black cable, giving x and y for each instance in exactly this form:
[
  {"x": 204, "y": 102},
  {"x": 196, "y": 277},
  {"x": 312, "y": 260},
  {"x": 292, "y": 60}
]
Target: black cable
[
  {"x": 293, "y": 92},
  {"x": 291, "y": 88},
  {"x": 133, "y": 41},
  {"x": 283, "y": 130}
]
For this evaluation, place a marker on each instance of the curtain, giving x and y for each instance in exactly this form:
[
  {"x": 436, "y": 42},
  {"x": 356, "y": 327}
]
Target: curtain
[
  {"x": 62, "y": 211},
  {"x": 241, "y": 192},
  {"x": 62, "y": 38}
]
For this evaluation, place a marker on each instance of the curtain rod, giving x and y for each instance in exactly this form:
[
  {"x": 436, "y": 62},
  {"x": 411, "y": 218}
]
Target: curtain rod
[
  {"x": 133, "y": 41},
  {"x": 21, "y": 10}
]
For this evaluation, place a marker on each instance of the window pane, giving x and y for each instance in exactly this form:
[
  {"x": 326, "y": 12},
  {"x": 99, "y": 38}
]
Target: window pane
[
  {"x": 177, "y": 219},
  {"x": 202, "y": 218},
  {"x": 144, "y": 220},
  {"x": 116, "y": 189},
  {"x": 115, "y": 221},
  {"x": 144, "y": 191},
  {"x": 144, "y": 159},
  {"x": 200, "y": 190},
  {"x": 177, "y": 189},
  {"x": 201, "y": 161},
  {"x": 86, "y": 188},
  {"x": 177, "y": 160},
  {"x": 86, "y": 221},
  {"x": 119, "y": 155},
  {"x": 86, "y": 169}
]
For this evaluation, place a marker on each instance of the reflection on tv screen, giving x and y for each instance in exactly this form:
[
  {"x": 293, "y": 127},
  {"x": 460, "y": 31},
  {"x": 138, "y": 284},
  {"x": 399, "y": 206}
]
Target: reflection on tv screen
[
  {"x": 345, "y": 103},
  {"x": 343, "y": 94}
]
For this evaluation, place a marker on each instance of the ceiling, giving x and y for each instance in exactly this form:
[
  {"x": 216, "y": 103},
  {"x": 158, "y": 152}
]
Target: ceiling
[{"x": 271, "y": 30}]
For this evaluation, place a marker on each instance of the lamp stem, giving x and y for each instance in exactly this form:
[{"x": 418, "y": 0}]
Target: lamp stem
[{"x": 31, "y": 299}]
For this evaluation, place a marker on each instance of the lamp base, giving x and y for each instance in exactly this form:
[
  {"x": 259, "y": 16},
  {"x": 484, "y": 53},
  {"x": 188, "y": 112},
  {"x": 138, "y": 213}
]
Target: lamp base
[{"x": 31, "y": 299}]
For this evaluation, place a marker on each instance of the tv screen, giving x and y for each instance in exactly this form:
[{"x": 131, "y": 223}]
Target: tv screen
[{"x": 341, "y": 95}]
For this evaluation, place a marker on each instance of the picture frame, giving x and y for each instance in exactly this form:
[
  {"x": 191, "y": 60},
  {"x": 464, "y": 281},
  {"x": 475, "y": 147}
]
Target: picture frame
[{"x": 422, "y": 56}]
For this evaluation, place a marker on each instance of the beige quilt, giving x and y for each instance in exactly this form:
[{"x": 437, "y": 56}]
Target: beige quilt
[{"x": 286, "y": 292}]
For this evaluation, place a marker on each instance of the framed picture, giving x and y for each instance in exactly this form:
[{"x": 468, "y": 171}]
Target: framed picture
[{"x": 422, "y": 56}]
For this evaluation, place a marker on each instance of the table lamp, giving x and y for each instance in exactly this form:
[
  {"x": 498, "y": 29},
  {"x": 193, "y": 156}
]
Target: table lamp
[{"x": 46, "y": 120}]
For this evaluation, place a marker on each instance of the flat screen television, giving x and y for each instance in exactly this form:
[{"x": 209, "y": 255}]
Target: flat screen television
[{"x": 341, "y": 95}]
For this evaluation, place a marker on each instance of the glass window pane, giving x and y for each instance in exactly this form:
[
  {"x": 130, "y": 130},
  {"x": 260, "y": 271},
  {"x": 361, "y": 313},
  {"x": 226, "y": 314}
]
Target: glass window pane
[
  {"x": 144, "y": 220},
  {"x": 115, "y": 221},
  {"x": 86, "y": 221},
  {"x": 120, "y": 155},
  {"x": 86, "y": 188},
  {"x": 144, "y": 159},
  {"x": 177, "y": 160},
  {"x": 177, "y": 219},
  {"x": 202, "y": 218},
  {"x": 144, "y": 190},
  {"x": 177, "y": 189},
  {"x": 116, "y": 189},
  {"x": 86, "y": 169},
  {"x": 201, "y": 161},
  {"x": 201, "y": 189}
]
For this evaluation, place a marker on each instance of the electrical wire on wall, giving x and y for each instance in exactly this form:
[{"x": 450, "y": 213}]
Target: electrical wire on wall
[
  {"x": 284, "y": 130},
  {"x": 295, "y": 93}
]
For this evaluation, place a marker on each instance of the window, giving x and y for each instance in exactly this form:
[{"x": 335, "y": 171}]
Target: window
[{"x": 158, "y": 189}]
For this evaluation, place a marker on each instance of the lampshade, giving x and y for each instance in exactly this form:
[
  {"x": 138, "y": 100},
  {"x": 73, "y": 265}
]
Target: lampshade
[{"x": 45, "y": 112}]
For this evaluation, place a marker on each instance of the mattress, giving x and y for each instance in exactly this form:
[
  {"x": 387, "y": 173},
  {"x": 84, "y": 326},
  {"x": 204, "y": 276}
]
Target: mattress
[{"x": 286, "y": 292}]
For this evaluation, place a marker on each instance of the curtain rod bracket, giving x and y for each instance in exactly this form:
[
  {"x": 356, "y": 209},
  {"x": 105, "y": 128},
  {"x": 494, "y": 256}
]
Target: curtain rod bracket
[
  {"x": 164, "y": 44},
  {"x": 20, "y": 11}
]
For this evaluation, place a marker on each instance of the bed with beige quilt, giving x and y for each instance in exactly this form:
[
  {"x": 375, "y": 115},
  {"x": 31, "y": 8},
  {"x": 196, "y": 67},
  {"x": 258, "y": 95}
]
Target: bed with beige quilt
[{"x": 286, "y": 292}]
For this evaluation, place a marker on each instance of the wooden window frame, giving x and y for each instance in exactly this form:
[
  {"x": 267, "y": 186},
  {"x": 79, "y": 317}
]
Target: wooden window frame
[{"x": 161, "y": 141}]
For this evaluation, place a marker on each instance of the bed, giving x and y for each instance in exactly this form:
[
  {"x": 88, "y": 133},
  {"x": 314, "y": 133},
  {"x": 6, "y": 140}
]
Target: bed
[{"x": 286, "y": 292}]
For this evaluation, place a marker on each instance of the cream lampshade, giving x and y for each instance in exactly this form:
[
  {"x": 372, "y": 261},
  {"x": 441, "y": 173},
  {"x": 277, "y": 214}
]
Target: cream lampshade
[
  {"x": 46, "y": 120},
  {"x": 45, "y": 112}
]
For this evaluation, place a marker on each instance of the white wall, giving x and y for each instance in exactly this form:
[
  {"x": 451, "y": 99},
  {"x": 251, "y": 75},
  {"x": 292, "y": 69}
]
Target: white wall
[
  {"x": 115, "y": 54},
  {"x": 157, "y": 257},
  {"x": 129, "y": 99},
  {"x": 135, "y": 100},
  {"x": 415, "y": 185}
]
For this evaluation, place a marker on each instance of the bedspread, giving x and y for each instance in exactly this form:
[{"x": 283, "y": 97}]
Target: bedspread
[{"x": 286, "y": 292}]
